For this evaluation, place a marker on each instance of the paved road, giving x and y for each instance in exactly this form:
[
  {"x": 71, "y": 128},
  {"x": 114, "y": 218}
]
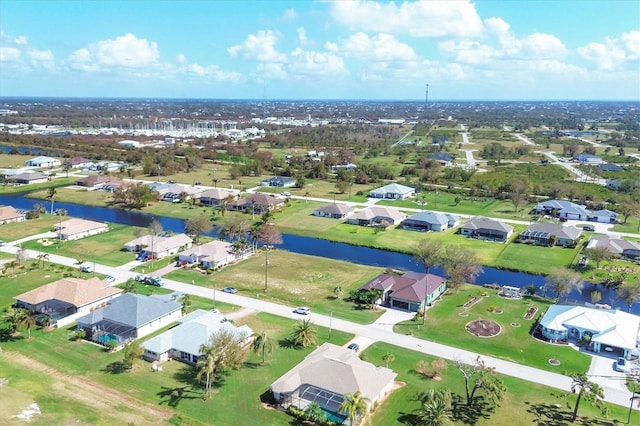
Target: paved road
[
  {"x": 524, "y": 139},
  {"x": 580, "y": 176},
  {"x": 471, "y": 162}
]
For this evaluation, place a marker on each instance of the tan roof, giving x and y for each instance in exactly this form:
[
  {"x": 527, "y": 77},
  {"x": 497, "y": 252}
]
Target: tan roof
[
  {"x": 336, "y": 369},
  {"x": 9, "y": 212},
  {"x": 212, "y": 251},
  {"x": 160, "y": 244},
  {"x": 76, "y": 226},
  {"x": 76, "y": 291}
]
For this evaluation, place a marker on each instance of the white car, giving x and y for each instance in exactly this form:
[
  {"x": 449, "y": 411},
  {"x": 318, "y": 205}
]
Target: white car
[
  {"x": 302, "y": 310},
  {"x": 86, "y": 267}
]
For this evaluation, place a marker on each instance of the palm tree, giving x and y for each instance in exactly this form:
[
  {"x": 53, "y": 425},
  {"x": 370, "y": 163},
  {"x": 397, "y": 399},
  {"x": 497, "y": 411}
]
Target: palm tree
[
  {"x": 354, "y": 405},
  {"x": 590, "y": 391},
  {"x": 42, "y": 257},
  {"x": 79, "y": 262},
  {"x": 51, "y": 194},
  {"x": 304, "y": 334},
  {"x": 435, "y": 407},
  {"x": 206, "y": 366},
  {"x": 315, "y": 413},
  {"x": 129, "y": 286},
  {"x": 388, "y": 357},
  {"x": 186, "y": 303},
  {"x": 28, "y": 321},
  {"x": 263, "y": 344}
]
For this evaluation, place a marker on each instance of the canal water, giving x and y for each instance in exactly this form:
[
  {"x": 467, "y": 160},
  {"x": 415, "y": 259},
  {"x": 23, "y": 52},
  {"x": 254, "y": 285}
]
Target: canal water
[{"x": 315, "y": 247}]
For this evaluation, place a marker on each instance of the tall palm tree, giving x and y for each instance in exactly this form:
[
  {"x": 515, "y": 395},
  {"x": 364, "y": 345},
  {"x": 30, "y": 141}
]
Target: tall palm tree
[
  {"x": 51, "y": 194},
  {"x": 354, "y": 406},
  {"x": 428, "y": 253},
  {"x": 79, "y": 262},
  {"x": 435, "y": 408},
  {"x": 206, "y": 366},
  {"x": 586, "y": 389},
  {"x": 28, "y": 321},
  {"x": 263, "y": 344},
  {"x": 304, "y": 334}
]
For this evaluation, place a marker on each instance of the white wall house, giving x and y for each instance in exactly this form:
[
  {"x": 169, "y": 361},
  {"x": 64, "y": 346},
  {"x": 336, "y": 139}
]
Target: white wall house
[{"x": 43, "y": 161}]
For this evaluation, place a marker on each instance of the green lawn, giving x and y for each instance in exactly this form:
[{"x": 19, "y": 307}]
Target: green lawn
[
  {"x": 16, "y": 230},
  {"x": 515, "y": 254},
  {"x": 237, "y": 395},
  {"x": 310, "y": 282},
  {"x": 524, "y": 403},
  {"x": 444, "y": 324},
  {"x": 105, "y": 248}
]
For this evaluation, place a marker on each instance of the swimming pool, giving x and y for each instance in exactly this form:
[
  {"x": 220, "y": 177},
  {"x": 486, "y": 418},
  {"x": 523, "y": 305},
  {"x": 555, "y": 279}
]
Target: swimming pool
[
  {"x": 106, "y": 338},
  {"x": 335, "y": 417}
]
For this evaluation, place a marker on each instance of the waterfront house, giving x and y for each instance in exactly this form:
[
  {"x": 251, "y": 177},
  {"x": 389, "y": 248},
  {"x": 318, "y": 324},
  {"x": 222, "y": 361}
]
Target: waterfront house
[
  {"x": 616, "y": 246},
  {"x": 74, "y": 229},
  {"x": 43, "y": 161},
  {"x": 193, "y": 330},
  {"x": 431, "y": 221},
  {"x": 78, "y": 162},
  {"x": 257, "y": 203},
  {"x": 327, "y": 374},
  {"x": 27, "y": 178},
  {"x": 68, "y": 298},
  {"x": 333, "y": 211},
  {"x": 393, "y": 191},
  {"x": 160, "y": 246},
  {"x": 562, "y": 209},
  {"x": 377, "y": 216},
  {"x": 211, "y": 255},
  {"x": 9, "y": 214},
  {"x": 128, "y": 317},
  {"x": 485, "y": 228},
  {"x": 543, "y": 233},
  {"x": 410, "y": 292},
  {"x": 213, "y": 197}
]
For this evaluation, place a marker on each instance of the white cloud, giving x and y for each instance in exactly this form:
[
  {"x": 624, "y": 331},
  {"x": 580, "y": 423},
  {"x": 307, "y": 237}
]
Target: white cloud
[
  {"x": 9, "y": 54},
  {"x": 606, "y": 56},
  {"x": 316, "y": 64},
  {"x": 212, "y": 73},
  {"x": 381, "y": 47},
  {"x": 42, "y": 58},
  {"x": 259, "y": 47},
  {"x": 419, "y": 19},
  {"x": 632, "y": 43},
  {"x": 290, "y": 14},
  {"x": 302, "y": 36},
  {"x": 124, "y": 51},
  {"x": 271, "y": 72},
  {"x": 181, "y": 59}
]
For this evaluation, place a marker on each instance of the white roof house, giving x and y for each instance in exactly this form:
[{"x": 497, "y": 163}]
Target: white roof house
[
  {"x": 43, "y": 161},
  {"x": 610, "y": 329},
  {"x": 393, "y": 191},
  {"x": 160, "y": 246},
  {"x": 210, "y": 255},
  {"x": 183, "y": 342}
]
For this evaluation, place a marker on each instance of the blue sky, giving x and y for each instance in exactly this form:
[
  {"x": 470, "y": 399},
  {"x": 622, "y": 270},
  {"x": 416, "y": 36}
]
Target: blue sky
[{"x": 361, "y": 49}]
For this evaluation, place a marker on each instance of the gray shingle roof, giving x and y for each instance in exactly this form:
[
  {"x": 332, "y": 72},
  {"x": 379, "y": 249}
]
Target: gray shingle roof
[{"x": 133, "y": 310}]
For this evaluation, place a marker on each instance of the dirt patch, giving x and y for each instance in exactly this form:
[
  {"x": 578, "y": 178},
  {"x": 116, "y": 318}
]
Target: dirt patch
[
  {"x": 472, "y": 302},
  {"x": 483, "y": 328},
  {"x": 45, "y": 242},
  {"x": 83, "y": 390}
]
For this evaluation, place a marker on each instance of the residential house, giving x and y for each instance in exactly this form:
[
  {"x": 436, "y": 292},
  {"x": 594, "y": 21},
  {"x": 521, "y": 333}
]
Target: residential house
[
  {"x": 257, "y": 203},
  {"x": 9, "y": 214},
  {"x": 213, "y": 197},
  {"x": 333, "y": 211},
  {"x": 609, "y": 330},
  {"x": 603, "y": 216},
  {"x": 74, "y": 229},
  {"x": 588, "y": 158},
  {"x": 348, "y": 166},
  {"x": 183, "y": 341},
  {"x": 279, "y": 182},
  {"x": 431, "y": 221},
  {"x": 68, "y": 298},
  {"x": 562, "y": 209},
  {"x": 485, "y": 228},
  {"x": 443, "y": 158},
  {"x": 609, "y": 167},
  {"x": 129, "y": 317},
  {"x": 623, "y": 184},
  {"x": 617, "y": 246},
  {"x": 411, "y": 291},
  {"x": 393, "y": 191},
  {"x": 78, "y": 162},
  {"x": 43, "y": 161},
  {"x": 377, "y": 216},
  {"x": 544, "y": 233},
  {"x": 211, "y": 255},
  {"x": 160, "y": 246},
  {"x": 98, "y": 181},
  {"x": 327, "y": 374},
  {"x": 29, "y": 178}
]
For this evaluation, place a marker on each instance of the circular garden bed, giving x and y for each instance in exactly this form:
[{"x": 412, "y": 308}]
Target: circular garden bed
[{"x": 483, "y": 328}]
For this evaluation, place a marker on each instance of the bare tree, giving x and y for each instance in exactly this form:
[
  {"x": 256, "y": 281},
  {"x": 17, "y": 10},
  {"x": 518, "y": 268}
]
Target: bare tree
[
  {"x": 461, "y": 265},
  {"x": 561, "y": 281},
  {"x": 518, "y": 192},
  {"x": 197, "y": 226},
  {"x": 477, "y": 376},
  {"x": 629, "y": 293}
]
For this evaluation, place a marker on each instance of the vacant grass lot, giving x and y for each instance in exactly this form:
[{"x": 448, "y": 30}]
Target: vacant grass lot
[
  {"x": 16, "y": 230},
  {"x": 236, "y": 396},
  {"x": 293, "y": 280},
  {"x": 524, "y": 403},
  {"x": 445, "y": 325},
  {"x": 515, "y": 254},
  {"x": 105, "y": 248}
]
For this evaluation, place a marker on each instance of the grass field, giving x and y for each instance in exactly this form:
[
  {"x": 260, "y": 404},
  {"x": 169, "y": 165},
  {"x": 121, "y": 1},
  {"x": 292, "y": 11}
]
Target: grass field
[
  {"x": 444, "y": 324},
  {"x": 16, "y": 230},
  {"x": 310, "y": 282}
]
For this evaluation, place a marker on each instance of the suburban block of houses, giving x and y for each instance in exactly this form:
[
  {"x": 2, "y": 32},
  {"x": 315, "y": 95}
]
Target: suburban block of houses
[
  {"x": 431, "y": 221},
  {"x": 160, "y": 246},
  {"x": 485, "y": 228},
  {"x": 211, "y": 255},
  {"x": 68, "y": 298},
  {"x": 377, "y": 216},
  {"x": 393, "y": 191},
  {"x": 74, "y": 228},
  {"x": 334, "y": 211},
  {"x": 9, "y": 214},
  {"x": 544, "y": 233},
  {"x": 129, "y": 317},
  {"x": 617, "y": 246},
  {"x": 410, "y": 292},
  {"x": 42, "y": 161},
  {"x": 609, "y": 330},
  {"x": 183, "y": 341},
  {"x": 327, "y": 374}
]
